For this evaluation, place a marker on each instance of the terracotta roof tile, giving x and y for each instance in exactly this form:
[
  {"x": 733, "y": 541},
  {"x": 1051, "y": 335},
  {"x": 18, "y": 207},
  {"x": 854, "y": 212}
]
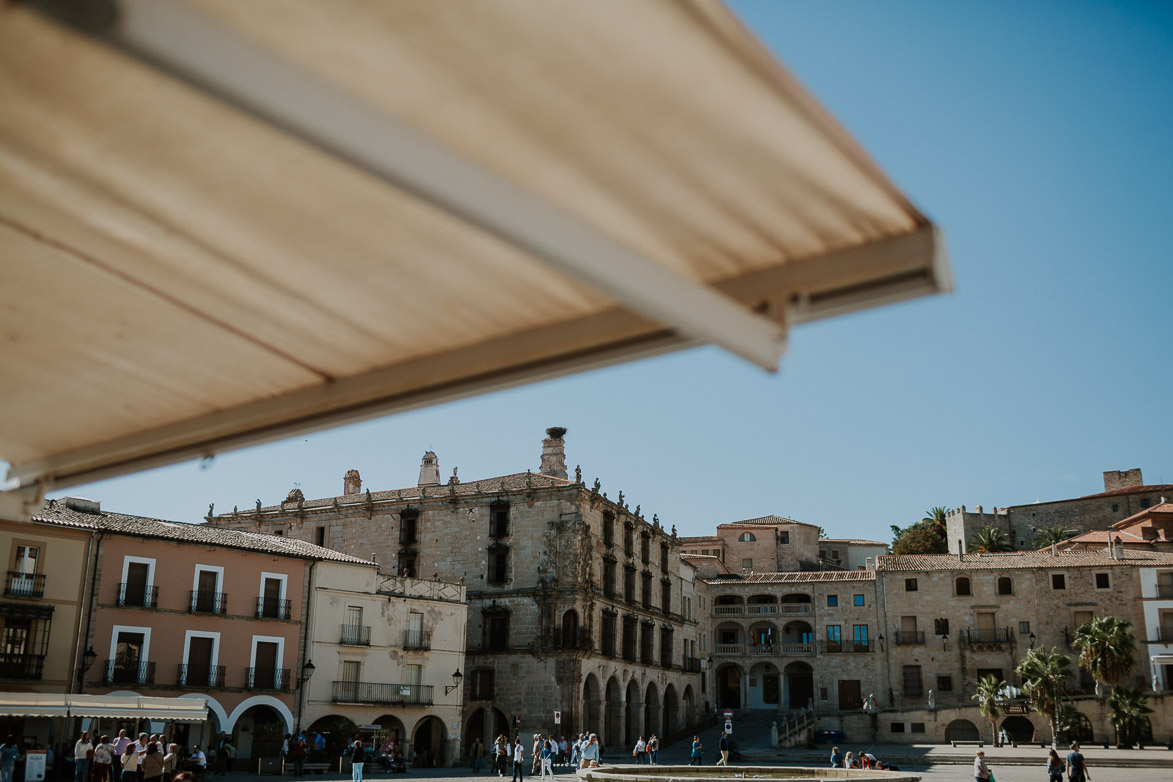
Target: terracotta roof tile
[
  {"x": 799, "y": 577},
  {"x": 58, "y": 513},
  {"x": 1158, "y": 509},
  {"x": 852, "y": 541},
  {"x": 1104, "y": 535},
  {"x": 764, "y": 521},
  {"x": 1042, "y": 558}
]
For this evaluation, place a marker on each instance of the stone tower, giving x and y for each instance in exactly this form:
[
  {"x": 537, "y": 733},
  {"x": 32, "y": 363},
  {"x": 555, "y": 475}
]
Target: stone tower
[{"x": 554, "y": 453}]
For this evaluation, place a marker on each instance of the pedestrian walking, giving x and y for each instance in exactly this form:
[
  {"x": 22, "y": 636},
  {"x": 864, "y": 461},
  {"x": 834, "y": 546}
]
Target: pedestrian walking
[
  {"x": 981, "y": 772},
  {"x": 1077, "y": 765},
  {"x": 547, "y": 758},
  {"x": 358, "y": 757},
  {"x": 518, "y": 759},
  {"x": 9, "y": 752},
  {"x": 1055, "y": 767},
  {"x": 698, "y": 750},
  {"x": 723, "y": 748},
  {"x": 639, "y": 751}
]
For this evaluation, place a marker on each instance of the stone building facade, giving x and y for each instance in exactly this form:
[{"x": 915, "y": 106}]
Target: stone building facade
[
  {"x": 564, "y": 585},
  {"x": 1125, "y": 494}
]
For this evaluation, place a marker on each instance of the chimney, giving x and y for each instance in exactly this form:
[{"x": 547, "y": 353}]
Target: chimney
[
  {"x": 351, "y": 483},
  {"x": 554, "y": 453},
  {"x": 430, "y": 470},
  {"x": 1054, "y": 549},
  {"x": 1122, "y": 479}
]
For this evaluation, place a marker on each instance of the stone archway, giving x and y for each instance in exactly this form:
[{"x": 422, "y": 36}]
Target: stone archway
[
  {"x": 613, "y": 714},
  {"x": 633, "y": 714},
  {"x": 729, "y": 678},
  {"x": 1020, "y": 728},
  {"x": 962, "y": 730},
  {"x": 427, "y": 743},
  {"x": 652, "y": 711},
  {"x": 671, "y": 722},
  {"x": 690, "y": 715},
  {"x": 591, "y": 711}
]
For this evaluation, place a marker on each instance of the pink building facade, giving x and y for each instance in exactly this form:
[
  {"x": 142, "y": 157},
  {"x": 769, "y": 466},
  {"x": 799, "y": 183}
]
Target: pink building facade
[{"x": 181, "y": 610}]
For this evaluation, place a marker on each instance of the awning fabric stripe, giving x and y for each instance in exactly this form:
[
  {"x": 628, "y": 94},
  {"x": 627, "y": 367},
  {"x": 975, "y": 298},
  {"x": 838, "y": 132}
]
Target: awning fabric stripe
[
  {"x": 189, "y": 267},
  {"x": 14, "y": 704}
]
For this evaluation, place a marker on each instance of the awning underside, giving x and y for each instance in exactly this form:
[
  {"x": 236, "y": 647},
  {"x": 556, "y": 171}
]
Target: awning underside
[
  {"x": 184, "y": 273},
  {"x": 14, "y": 704}
]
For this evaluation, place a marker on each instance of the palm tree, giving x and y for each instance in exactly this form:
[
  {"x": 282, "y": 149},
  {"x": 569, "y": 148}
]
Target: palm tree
[
  {"x": 937, "y": 521},
  {"x": 1044, "y": 678},
  {"x": 1129, "y": 706},
  {"x": 988, "y": 540},
  {"x": 1106, "y": 647},
  {"x": 987, "y": 693},
  {"x": 1052, "y": 535}
]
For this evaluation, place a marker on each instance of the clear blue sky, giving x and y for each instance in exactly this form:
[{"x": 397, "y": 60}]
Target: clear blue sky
[{"x": 1040, "y": 137}]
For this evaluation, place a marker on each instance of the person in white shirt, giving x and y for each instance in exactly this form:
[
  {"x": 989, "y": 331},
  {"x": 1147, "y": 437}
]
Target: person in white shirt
[
  {"x": 82, "y": 753},
  {"x": 518, "y": 760}
]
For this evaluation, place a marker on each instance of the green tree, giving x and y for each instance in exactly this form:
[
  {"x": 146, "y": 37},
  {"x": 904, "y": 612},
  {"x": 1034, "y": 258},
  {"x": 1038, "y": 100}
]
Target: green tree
[
  {"x": 1051, "y": 535},
  {"x": 1129, "y": 706},
  {"x": 987, "y": 693},
  {"x": 1107, "y": 648},
  {"x": 919, "y": 539},
  {"x": 1044, "y": 680},
  {"x": 988, "y": 540}
]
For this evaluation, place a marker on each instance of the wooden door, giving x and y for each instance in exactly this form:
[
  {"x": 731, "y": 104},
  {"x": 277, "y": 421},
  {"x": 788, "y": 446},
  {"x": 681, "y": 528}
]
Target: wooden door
[
  {"x": 850, "y": 696},
  {"x": 136, "y": 584},
  {"x": 199, "y": 662},
  {"x": 271, "y": 606},
  {"x": 265, "y": 673}
]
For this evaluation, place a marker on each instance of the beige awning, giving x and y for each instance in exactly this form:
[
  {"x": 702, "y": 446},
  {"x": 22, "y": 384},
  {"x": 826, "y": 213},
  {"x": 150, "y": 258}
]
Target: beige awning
[
  {"x": 222, "y": 223},
  {"x": 18, "y": 704}
]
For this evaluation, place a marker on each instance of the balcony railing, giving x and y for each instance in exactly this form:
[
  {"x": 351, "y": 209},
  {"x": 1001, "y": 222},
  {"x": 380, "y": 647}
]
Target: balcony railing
[
  {"x": 987, "y": 636},
  {"x": 19, "y": 584},
  {"x": 794, "y": 608},
  {"x": 128, "y": 673},
  {"x": 356, "y": 635},
  {"x": 734, "y": 610},
  {"x": 417, "y": 639},
  {"x": 759, "y": 609},
  {"x": 273, "y": 608},
  {"x": 728, "y": 648},
  {"x": 1161, "y": 635},
  {"x": 266, "y": 678},
  {"x": 138, "y": 595},
  {"x": 17, "y": 665},
  {"x": 208, "y": 602},
  {"x": 796, "y": 650},
  {"x": 692, "y": 664},
  {"x": 846, "y": 647},
  {"x": 909, "y": 638},
  {"x": 200, "y": 675},
  {"x": 378, "y": 694}
]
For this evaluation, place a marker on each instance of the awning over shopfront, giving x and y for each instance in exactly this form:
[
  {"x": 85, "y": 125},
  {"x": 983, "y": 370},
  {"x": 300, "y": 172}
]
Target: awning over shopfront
[
  {"x": 16, "y": 704},
  {"x": 222, "y": 223}
]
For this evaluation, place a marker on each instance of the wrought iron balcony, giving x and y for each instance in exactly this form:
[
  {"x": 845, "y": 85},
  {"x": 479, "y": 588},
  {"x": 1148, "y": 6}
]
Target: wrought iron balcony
[
  {"x": 208, "y": 602},
  {"x": 378, "y": 694},
  {"x": 417, "y": 639},
  {"x": 128, "y": 673},
  {"x": 20, "y": 584},
  {"x": 266, "y": 678},
  {"x": 847, "y": 647},
  {"x": 987, "y": 636},
  {"x": 200, "y": 675},
  {"x": 273, "y": 608},
  {"x": 909, "y": 638},
  {"x": 138, "y": 595},
  {"x": 356, "y": 635},
  {"x": 1164, "y": 590},
  {"x": 17, "y": 665}
]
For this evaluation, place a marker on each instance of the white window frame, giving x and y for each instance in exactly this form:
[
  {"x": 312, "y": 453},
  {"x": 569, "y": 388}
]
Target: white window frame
[
  {"x": 190, "y": 634},
  {"x": 146, "y": 632},
  {"x": 127, "y": 561},
  {"x": 217, "y": 569},
  {"x": 270, "y": 639},
  {"x": 282, "y": 577}
]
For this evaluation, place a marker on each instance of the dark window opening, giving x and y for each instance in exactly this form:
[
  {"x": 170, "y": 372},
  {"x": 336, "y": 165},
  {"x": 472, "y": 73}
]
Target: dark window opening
[
  {"x": 666, "y": 596},
  {"x": 608, "y": 529},
  {"x": 1102, "y": 581},
  {"x": 1005, "y": 586},
  {"x": 408, "y": 562},
  {"x": 498, "y": 565},
  {"x": 1058, "y": 581},
  {"x": 962, "y": 585},
  {"x": 664, "y": 557},
  {"x": 913, "y": 686},
  {"x": 484, "y": 683},
  {"x": 408, "y": 527},
  {"x": 499, "y": 519},
  {"x": 629, "y": 584},
  {"x": 646, "y": 589},
  {"x": 497, "y": 631},
  {"x": 630, "y": 639},
  {"x": 609, "y": 588},
  {"x": 320, "y": 536},
  {"x": 609, "y": 628},
  {"x": 645, "y": 547},
  {"x": 944, "y": 684},
  {"x": 628, "y": 538},
  {"x": 910, "y": 585}
]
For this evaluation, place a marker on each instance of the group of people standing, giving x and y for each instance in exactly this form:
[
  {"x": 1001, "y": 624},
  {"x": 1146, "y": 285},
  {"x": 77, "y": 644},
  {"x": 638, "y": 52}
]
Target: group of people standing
[
  {"x": 149, "y": 759},
  {"x": 545, "y": 753},
  {"x": 1074, "y": 764},
  {"x": 647, "y": 752}
]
